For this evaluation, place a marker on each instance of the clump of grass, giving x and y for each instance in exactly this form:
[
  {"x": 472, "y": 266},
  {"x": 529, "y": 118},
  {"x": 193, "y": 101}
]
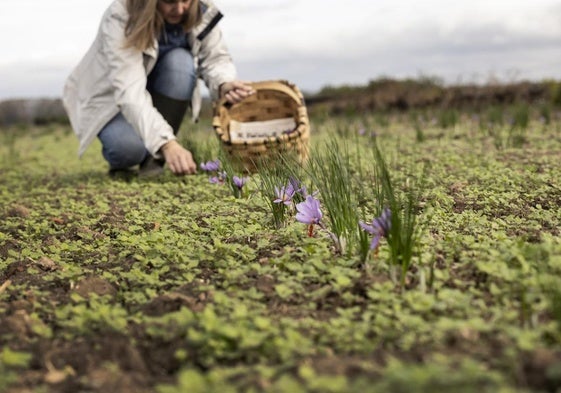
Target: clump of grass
[
  {"x": 416, "y": 120},
  {"x": 545, "y": 114},
  {"x": 419, "y": 133},
  {"x": 382, "y": 120},
  {"x": 448, "y": 118},
  {"x": 329, "y": 169},
  {"x": 8, "y": 138},
  {"x": 231, "y": 171},
  {"x": 494, "y": 116},
  {"x": 404, "y": 205},
  {"x": 274, "y": 174},
  {"x": 520, "y": 120}
]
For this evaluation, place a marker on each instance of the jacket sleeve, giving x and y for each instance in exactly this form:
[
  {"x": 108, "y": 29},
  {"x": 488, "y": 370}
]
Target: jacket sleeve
[
  {"x": 215, "y": 63},
  {"x": 128, "y": 77}
]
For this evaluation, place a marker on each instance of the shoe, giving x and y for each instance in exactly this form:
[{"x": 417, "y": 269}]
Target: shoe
[
  {"x": 126, "y": 174},
  {"x": 151, "y": 167}
]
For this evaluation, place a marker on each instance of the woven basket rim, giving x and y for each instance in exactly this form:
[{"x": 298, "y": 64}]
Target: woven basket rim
[{"x": 271, "y": 85}]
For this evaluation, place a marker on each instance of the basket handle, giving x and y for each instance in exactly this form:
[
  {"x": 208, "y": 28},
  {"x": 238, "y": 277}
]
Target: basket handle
[
  {"x": 282, "y": 86},
  {"x": 279, "y": 86}
]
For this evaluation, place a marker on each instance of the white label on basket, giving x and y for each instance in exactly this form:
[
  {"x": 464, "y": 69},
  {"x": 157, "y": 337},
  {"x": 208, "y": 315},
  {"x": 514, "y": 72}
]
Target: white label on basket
[{"x": 240, "y": 131}]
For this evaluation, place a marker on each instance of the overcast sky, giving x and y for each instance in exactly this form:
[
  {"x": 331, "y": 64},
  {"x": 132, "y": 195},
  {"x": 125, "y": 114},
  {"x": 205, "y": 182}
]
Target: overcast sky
[{"x": 313, "y": 43}]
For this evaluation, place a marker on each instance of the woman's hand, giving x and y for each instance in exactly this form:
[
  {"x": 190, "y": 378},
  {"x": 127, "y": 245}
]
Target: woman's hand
[
  {"x": 179, "y": 159},
  {"x": 236, "y": 91}
]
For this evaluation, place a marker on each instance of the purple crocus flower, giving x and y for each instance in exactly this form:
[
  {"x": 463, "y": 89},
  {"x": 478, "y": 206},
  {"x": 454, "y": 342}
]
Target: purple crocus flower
[
  {"x": 219, "y": 179},
  {"x": 380, "y": 227},
  {"x": 304, "y": 192},
  {"x": 210, "y": 166},
  {"x": 239, "y": 181},
  {"x": 309, "y": 211},
  {"x": 284, "y": 194},
  {"x": 300, "y": 188},
  {"x": 295, "y": 184}
]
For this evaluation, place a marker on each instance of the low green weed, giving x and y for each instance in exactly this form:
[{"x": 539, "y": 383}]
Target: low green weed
[{"x": 199, "y": 290}]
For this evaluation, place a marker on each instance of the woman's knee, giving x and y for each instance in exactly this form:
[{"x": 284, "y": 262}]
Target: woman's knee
[
  {"x": 122, "y": 146},
  {"x": 125, "y": 155},
  {"x": 174, "y": 75}
]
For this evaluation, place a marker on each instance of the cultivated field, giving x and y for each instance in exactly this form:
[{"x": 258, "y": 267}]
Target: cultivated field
[{"x": 181, "y": 285}]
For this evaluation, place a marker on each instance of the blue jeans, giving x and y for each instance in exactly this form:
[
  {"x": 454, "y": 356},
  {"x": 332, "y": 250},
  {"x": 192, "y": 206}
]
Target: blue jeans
[{"x": 172, "y": 76}]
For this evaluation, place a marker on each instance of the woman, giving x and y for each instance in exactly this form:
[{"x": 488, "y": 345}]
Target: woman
[{"x": 134, "y": 84}]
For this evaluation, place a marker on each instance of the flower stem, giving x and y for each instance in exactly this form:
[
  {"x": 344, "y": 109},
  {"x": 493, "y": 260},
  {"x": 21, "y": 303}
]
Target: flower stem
[{"x": 311, "y": 230}]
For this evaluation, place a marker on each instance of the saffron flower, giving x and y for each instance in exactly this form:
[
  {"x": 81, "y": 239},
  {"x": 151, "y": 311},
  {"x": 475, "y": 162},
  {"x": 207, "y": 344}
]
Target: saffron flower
[
  {"x": 304, "y": 192},
  {"x": 297, "y": 185},
  {"x": 239, "y": 181},
  {"x": 380, "y": 227},
  {"x": 284, "y": 194},
  {"x": 219, "y": 179},
  {"x": 300, "y": 188},
  {"x": 309, "y": 213},
  {"x": 210, "y": 166}
]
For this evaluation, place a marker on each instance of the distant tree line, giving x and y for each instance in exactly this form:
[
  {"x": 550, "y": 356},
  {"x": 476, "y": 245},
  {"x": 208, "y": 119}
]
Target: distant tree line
[
  {"x": 380, "y": 95},
  {"x": 387, "y": 94},
  {"x": 32, "y": 112}
]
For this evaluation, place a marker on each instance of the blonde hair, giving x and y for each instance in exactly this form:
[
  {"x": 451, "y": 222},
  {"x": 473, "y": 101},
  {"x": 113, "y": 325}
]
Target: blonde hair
[{"x": 145, "y": 22}]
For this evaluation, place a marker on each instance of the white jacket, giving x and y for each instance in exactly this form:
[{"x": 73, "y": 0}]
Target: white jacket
[{"x": 112, "y": 79}]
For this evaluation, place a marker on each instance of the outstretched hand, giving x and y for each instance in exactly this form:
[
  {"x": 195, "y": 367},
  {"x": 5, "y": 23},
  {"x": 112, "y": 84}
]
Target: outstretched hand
[
  {"x": 236, "y": 91},
  {"x": 179, "y": 159}
]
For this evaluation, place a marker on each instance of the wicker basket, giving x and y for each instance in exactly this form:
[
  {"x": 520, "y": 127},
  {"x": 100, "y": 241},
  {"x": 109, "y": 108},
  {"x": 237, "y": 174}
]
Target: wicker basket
[{"x": 271, "y": 122}]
